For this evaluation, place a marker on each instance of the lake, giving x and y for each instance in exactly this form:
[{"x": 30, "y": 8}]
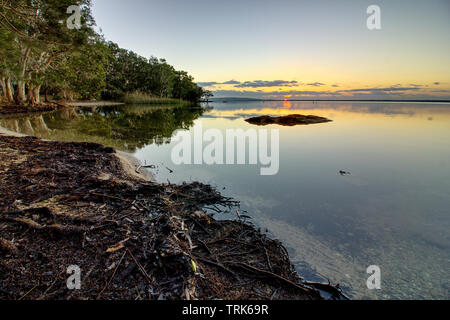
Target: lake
[{"x": 392, "y": 210}]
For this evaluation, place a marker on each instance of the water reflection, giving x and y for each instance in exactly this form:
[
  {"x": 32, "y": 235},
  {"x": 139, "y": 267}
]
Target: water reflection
[{"x": 127, "y": 128}]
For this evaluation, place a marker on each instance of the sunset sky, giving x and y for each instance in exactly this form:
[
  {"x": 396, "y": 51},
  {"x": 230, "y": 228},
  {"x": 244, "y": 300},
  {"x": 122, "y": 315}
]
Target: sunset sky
[{"x": 292, "y": 48}]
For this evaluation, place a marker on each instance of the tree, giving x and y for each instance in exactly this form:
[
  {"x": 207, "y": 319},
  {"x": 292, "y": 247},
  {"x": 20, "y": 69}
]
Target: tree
[
  {"x": 40, "y": 37},
  {"x": 207, "y": 94},
  {"x": 8, "y": 65},
  {"x": 80, "y": 74},
  {"x": 39, "y": 52}
]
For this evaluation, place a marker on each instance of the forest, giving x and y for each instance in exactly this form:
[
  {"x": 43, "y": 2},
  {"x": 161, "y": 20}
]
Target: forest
[{"x": 41, "y": 56}]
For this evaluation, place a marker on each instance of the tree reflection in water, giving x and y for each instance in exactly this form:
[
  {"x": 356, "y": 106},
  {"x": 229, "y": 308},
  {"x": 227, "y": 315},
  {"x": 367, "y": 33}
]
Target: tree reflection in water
[{"x": 126, "y": 128}]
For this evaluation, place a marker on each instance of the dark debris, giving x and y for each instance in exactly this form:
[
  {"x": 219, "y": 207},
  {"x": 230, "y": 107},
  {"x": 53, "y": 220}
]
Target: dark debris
[{"x": 65, "y": 204}]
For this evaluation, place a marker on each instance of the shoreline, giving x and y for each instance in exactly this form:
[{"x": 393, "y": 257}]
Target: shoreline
[
  {"x": 15, "y": 109},
  {"x": 94, "y": 104},
  {"x": 128, "y": 161},
  {"x": 158, "y": 237}
]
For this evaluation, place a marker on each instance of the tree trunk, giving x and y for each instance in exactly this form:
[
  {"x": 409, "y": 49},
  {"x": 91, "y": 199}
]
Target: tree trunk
[
  {"x": 9, "y": 90},
  {"x": 29, "y": 91},
  {"x": 3, "y": 85},
  {"x": 19, "y": 95},
  {"x": 33, "y": 94},
  {"x": 46, "y": 95},
  {"x": 36, "y": 94}
]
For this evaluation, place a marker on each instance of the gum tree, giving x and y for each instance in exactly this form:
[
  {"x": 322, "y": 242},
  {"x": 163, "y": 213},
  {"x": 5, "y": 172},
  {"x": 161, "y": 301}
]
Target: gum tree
[{"x": 40, "y": 36}]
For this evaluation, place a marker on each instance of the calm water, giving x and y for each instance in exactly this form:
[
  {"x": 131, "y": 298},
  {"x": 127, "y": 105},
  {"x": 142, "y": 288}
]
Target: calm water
[{"x": 392, "y": 211}]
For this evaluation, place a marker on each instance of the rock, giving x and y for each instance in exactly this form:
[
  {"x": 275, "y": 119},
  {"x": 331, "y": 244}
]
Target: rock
[{"x": 290, "y": 120}]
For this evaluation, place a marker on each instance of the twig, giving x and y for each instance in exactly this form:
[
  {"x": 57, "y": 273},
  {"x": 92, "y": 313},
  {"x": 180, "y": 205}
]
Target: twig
[
  {"x": 205, "y": 246},
  {"x": 140, "y": 267},
  {"x": 112, "y": 276},
  {"x": 220, "y": 266},
  {"x": 266, "y": 253},
  {"x": 273, "y": 275},
  {"x": 111, "y": 197},
  {"x": 28, "y": 292}
]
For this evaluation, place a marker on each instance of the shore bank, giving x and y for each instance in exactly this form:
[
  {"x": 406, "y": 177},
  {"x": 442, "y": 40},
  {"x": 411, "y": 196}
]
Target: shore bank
[
  {"x": 84, "y": 204},
  {"x": 94, "y": 103},
  {"x": 13, "y": 109}
]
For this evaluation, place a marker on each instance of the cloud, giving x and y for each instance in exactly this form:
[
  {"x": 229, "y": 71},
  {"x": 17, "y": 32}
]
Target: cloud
[
  {"x": 316, "y": 84},
  {"x": 214, "y": 83},
  {"x": 260, "y": 84},
  {"x": 207, "y": 84},
  {"x": 418, "y": 92},
  {"x": 278, "y": 91},
  {"x": 266, "y": 95},
  {"x": 231, "y": 82},
  {"x": 263, "y": 84},
  {"x": 396, "y": 88}
]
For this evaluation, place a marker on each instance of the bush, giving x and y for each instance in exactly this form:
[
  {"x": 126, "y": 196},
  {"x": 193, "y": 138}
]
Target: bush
[{"x": 144, "y": 98}]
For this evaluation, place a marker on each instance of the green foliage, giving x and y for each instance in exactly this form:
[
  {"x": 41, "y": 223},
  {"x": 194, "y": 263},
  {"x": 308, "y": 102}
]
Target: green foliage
[
  {"x": 82, "y": 73},
  {"x": 39, "y": 52},
  {"x": 8, "y": 54},
  {"x": 128, "y": 73}
]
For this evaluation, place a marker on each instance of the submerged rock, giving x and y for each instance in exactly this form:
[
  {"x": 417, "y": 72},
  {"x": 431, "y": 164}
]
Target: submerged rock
[{"x": 290, "y": 120}]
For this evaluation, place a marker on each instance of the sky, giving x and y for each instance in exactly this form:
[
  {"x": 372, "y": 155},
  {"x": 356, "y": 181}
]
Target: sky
[{"x": 292, "y": 49}]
